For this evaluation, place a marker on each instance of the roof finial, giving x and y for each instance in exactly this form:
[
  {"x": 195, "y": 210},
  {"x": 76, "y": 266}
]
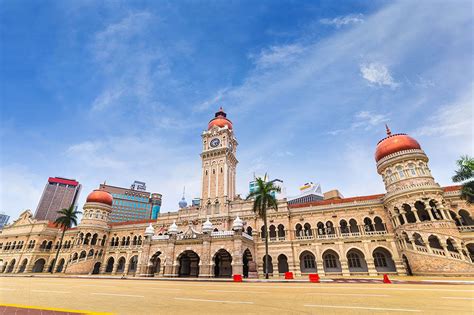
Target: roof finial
[
  {"x": 389, "y": 133},
  {"x": 184, "y": 191},
  {"x": 221, "y": 109}
]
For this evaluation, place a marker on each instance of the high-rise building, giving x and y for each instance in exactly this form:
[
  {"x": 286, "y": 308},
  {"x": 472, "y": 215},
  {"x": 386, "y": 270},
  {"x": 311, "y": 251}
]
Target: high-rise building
[
  {"x": 59, "y": 193},
  {"x": 276, "y": 182},
  {"x": 134, "y": 203},
  {"x": 3, "y": 219}
]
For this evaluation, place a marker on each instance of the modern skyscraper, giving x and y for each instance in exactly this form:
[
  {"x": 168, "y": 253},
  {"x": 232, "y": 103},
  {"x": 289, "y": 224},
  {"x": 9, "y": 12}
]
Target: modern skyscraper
[
  {"x": 134, "y": 203},
  {"x": 59, "y": 193},
  {"x": 3, "y": 219}
]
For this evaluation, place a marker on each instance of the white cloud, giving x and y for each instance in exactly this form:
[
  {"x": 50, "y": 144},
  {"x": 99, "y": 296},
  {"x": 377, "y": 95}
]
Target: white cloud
[
  {"x": 277, "y": 55},
  {"x": 343, "y": 20},
  {"x": 377, "y": 74},
  {"x": 452, "y": 120},
  {"x": 213, "y": 101},
  {"x": 368, "y": 119}
]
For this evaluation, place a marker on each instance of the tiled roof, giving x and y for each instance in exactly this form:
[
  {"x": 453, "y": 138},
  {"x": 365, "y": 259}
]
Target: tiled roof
[
  {"x": 132, "y": 222},
  {"x": 336, "y": 201},
  {"x": 452, "y": 188}
]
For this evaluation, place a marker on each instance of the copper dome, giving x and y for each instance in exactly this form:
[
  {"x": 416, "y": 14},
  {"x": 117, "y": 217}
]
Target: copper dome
[
  {"x": 220, "y": 120},
  {"x": 100, "y": 196},
  {"x": 394, "y": 143}
]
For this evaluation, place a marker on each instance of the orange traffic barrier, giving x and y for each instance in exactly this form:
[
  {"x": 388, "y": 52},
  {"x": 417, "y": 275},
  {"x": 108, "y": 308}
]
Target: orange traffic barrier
[
  {"x": 314, "y": 277},
  {"x": 289, "y": 275},
  {"x": 237, "y": 278},
  {"x": 386, "y": 279}
]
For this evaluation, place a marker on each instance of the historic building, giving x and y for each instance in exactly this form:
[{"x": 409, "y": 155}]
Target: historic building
[{"x": 415, "y": 227}]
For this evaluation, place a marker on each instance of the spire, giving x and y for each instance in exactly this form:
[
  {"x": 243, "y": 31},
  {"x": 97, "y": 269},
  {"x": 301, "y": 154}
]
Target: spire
[
  {"x": 389, "y": 133},
  {"x": 184, "y": 191}
]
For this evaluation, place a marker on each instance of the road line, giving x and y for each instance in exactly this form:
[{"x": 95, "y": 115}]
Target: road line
[
  {"x": 456, "y": 298},
  {"x": 350, "y": 294},
  {"x": 230, "y": 291},
  {"x": 213, "y": 301},
  {"x": 49, "y": 291},
  {"x": 363, "y": 308},
  {"x": 113, "y": 294}
]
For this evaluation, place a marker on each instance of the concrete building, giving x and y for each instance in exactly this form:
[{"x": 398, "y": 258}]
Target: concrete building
[
  {"x": 59, "y": 193},
  {"x": 414, "y": 227},
  {"x": 134, "y": 203}
]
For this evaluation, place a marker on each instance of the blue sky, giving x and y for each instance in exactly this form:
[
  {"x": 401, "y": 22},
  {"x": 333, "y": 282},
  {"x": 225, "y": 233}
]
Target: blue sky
[{"x": 121, "y": 90}]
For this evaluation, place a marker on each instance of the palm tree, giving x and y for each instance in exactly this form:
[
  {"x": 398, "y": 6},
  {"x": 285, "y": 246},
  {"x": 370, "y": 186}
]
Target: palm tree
[
  {"x": 465, "y": 175},
  {"x": 264, "y": 199},
  {"x": 66, "y": 220}
]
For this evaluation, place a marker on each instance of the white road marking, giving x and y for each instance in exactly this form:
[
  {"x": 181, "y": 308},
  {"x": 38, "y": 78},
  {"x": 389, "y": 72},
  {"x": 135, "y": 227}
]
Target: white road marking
[
  {"x": 49, "y": 291},
  {"x": 350, "y": 294},
  {"x": 113, "y": 294},
  {"x": 364, "y": 308},
  {"x": 213, "y": 301},
  {"x": 231, "y": 291},
  {"x": 96, "y": 285},
  {"x": 456, "y": 298}
]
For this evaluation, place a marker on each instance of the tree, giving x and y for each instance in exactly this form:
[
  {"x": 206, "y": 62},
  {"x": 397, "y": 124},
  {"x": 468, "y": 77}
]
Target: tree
[
  {"x": 66, "y": 220},
  {"x": 465, "y": 175},
  {"x": 264, "y": 199}
]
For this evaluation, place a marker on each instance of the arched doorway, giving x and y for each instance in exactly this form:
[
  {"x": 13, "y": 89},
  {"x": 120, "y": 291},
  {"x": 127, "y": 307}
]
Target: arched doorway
[
  {"x": 51, "y": 265},
  {"x": 222, "y": 264},
  {"x": 383, "y": 260},
  {"x": 282, "y": 264},
  {"x": 407, "y": 265},
  {"x": 155, "y": 264},
  {"x": 60, "y": 265},
  {"x": 96, "y": 269},
  {"x": 356, "y": 261},
  {"x": 39, "y": 265},
  {"x": 270, "y": 265},
  {"x": 307, "y": 262},
  {"x": 121, "y": 265},
  {"x": 110, "y": 265},
  {"x": 331, "y": 261},
  {"x": 188, "y": 264},
  {"x": 246, "y": 258},
  {"x": 11, "y": 265},
  {"x": 132, "y": 266},
  {"x": 23, "y": 266}
]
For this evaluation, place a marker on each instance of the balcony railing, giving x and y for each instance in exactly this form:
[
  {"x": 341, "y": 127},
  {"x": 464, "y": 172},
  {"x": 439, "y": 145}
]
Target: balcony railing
[{"x": 466, "y": 228}]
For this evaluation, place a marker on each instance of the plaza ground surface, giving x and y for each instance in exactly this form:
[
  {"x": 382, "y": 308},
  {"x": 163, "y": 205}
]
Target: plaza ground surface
[{"x": 192, "y": 297}]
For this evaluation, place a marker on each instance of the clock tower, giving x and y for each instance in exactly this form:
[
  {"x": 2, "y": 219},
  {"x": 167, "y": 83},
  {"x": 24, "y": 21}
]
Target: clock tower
[{"x": 218, "y": 164}]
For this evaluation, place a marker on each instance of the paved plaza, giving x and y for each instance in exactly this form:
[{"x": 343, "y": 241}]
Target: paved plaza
[{"x": 126, "y": 296}]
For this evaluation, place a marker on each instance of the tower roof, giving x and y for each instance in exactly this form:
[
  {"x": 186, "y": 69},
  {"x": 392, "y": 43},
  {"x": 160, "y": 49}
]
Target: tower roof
[
  {"x": 220, "y": 120},
  {"x": 100, "y": 196},
  {"x": 394, "y": 143}
]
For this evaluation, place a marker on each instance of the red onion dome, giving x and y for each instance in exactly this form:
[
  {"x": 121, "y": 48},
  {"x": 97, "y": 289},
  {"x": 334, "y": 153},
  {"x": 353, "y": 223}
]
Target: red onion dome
[
  {"x": 394, "y": 143},
  {"x": 100, "y": 196},
  {"x": 220, "y": 120}
]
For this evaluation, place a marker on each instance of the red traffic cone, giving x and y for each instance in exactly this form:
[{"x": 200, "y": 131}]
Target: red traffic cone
[
  {"x": 237, "y": 278},
  {"x": 289, "y": 275},
  {"x": 386, "y": 279},
  {"x": 314, "y": 277}
]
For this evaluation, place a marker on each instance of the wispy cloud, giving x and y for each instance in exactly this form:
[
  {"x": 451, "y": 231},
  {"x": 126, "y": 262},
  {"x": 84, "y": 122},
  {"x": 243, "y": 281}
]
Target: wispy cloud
[
  {"x": 377, "y": 74},
  {"x": 367, "y": 120},
  {"x": 343, "y": 20},
  {"x": 277, "y": 55}
]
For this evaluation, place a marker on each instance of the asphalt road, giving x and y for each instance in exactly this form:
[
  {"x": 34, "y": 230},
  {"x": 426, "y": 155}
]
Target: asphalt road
[{"x": 178, "y": 297}]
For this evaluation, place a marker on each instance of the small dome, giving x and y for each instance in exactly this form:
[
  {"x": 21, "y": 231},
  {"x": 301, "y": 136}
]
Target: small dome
[
  {"x": 238, "y": 224},
  {"x": 182, "y": 203},
  {"x": 149, "y": 231},
  {"x": 220, "y": 120},
  {"x": 207, "y": 226},
  {"x": 100, "y": 196},
  {"x": 394, "y": 143},
  {"x": 173, "y": 229}
]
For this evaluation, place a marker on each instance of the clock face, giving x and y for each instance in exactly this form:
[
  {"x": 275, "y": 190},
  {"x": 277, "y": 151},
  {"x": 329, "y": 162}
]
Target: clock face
[{"x": 215, "y": 142}]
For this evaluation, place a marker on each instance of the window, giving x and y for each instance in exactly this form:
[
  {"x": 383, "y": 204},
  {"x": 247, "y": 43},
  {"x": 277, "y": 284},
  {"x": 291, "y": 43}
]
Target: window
[
  {"x": 330, "y": 261},
  {"x": 380, "y": 260},
  {"x": 353, "y": 260},
  {"x": 308, "y": 261},
  {"x": 400, "y": 172},
  {"x": 421, "y": 169},
  {"x": 411, "y": 169}
]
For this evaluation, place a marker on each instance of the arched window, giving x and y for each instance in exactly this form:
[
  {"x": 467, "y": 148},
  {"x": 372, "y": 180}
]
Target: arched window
[
  {"x": 353, "y": 260},
  {"x": 389, "y": 176},
  {"x": 411, "y": 169},
  {"x": 249, "y": 230},
  {"x": 272, "y": 232},
  {"x": 307, "y": 262},
  {"x": 379, "y": 226},
  {"x": 353, "y": 226},
  {"x": 281, "y": 231},
  {"x": 401, "y": 173},
  {"x": 299, "y": 230},
  {"x": 321, "y": 228},
  {"x": 263, "y": 232},
  {"x": 421, "y": 169},
  {"x": 307, "y": 229},
  {"x": 330, "y": 228},
  {"x": 368, "y": 225},
  {"x": 330, "y": 261},
  {"x": 380, "y": 260},
  {"x": 343, "y": 226}
]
